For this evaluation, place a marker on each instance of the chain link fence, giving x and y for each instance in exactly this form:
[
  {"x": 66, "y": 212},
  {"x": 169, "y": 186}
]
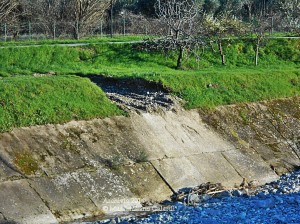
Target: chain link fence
[
  {"x": 74, "y": 30},
  {"x": 127, "y": 24}
]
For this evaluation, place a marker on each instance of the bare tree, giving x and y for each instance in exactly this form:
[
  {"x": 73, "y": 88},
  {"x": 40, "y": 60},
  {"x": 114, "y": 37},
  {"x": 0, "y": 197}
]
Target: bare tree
[
  {"x": 51, "y": 14},
  {"x": 259, "y": 26},
  {"x": 217, "y": 28},
  {"x": 139, "y": 24},
  {"x": 75, "y": 16},
  {"x": 178, "y": 16},
  {"x": 45, "y": 15},
  {"x": 86, "y": 13},
  {"x": 291, "y": 14},
  {"x": 6, "y": 8}
]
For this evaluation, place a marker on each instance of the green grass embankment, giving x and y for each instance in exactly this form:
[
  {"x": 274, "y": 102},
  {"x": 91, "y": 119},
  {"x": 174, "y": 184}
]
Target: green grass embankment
[
  {"x": 204, "y": 83},
  {"x": 26, "y": 101}
]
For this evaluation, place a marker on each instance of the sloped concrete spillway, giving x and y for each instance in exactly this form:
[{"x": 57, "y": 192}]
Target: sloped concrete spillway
[{"x": 56, "y": 173}]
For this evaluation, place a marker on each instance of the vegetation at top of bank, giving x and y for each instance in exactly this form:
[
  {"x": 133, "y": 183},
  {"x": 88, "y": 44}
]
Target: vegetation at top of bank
[
  {"x": 214, "y": 88},
  {"x": 21, "y": 19},
  {"x": 208, "y": 52},
  {"x": 127, "y": 60},
  {"x": 27, "y": 101},
  {"x": 202, "y": 83}
]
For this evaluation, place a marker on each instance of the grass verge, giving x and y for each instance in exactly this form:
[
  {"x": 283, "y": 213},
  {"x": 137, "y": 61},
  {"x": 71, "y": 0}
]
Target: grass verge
[{"x": 100, "y": 39}]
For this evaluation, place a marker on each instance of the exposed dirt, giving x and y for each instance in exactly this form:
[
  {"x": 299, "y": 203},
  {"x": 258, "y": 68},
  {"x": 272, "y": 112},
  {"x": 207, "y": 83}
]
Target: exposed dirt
[{"x": 136, "y": 94}]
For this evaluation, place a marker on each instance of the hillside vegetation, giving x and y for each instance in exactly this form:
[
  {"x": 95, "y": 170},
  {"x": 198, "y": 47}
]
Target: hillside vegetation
[{"x": 201, "y": 83}]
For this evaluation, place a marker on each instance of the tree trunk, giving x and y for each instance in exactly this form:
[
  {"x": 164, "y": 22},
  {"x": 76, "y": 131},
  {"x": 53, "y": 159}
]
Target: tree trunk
[
  {"x": 180, "y": 57},
  {"x": 76, "y": 31},
  {"x": 221, "y": 52},
  {"x": 257, "y": 50},
  {"x": 249, "y": 11},
  {"x": 76, "y": 34}
]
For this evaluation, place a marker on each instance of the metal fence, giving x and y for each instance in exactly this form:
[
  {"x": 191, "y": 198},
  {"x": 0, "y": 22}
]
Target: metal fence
[
  {"x": 70, "y": 30},
  {"x": 122, "y": 25}
]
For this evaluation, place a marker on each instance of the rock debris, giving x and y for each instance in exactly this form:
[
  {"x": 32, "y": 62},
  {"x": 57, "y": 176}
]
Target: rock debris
[{"x": 136, "y": 94}]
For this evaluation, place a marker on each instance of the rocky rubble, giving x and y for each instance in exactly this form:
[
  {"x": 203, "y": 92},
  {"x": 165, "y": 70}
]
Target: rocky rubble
[
  {"x": 136, "y": 94},
  {"x": 288, "y": 183},
  {"x": 276, "y": 202}
]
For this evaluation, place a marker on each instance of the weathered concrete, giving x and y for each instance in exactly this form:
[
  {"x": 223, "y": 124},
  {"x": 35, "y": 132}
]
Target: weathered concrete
[
  {"x": 20, "y": 203},
  {"x": 179, "y": 172},
  {"x": 7, "y": 172},
  {"x": 2, "y": 219},
  {"x": 104, "y": 185},
  {"x": 57, "y": 173},
  {"x": 66, "y": 200},
  {"x": 268, "y": 130},
  {"x": 177, "y": 134},
  {"x": 212, "y": 166},
  {"x": 142, "y": 179},
  {"x": 250, "y": 167}
]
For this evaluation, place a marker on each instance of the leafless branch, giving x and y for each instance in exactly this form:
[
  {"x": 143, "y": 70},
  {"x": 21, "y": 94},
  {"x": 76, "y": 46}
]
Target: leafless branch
[
  {"x": 6, "y": 7},
  {"x": 179, "y": 17}
]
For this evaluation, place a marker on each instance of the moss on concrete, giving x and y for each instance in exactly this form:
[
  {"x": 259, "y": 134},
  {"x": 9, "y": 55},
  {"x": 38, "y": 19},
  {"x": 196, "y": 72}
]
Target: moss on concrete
[{"x": 26, "y": 163}]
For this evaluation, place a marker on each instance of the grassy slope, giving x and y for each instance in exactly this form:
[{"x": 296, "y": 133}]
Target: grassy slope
[
  {"x": 26, "y": 101},
  {"x": 278, "y": 75}
]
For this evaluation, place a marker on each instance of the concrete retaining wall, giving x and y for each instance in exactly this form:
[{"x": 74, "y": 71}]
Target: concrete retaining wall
[{"x": 57, "y": 173}]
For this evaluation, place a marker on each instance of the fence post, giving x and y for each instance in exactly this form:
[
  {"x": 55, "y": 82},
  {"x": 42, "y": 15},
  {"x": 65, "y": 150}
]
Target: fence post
[
  {"x": 101, "y": 28},
  {"x": 124, "y": 25},
  {"x": 77, "y": 29},
  {"x": 54, "y": 30},
  {"x": 272, "y": 25},
  {"x": 29, "y": 29},
  {"x": 5, "y": 32}
]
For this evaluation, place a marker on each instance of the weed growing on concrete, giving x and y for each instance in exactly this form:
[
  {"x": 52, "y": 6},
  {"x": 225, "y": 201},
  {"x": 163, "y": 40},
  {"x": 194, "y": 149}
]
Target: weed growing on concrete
[{"x": 141, "y": 157}]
